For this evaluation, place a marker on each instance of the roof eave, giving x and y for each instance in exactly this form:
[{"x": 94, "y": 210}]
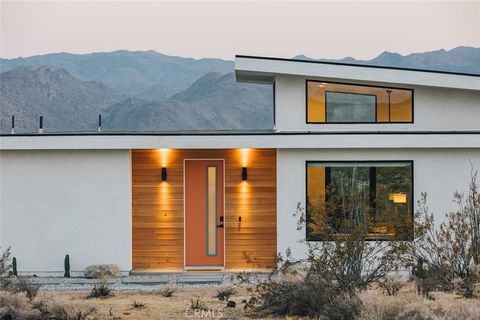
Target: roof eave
[{"x": 265, "y": 69}]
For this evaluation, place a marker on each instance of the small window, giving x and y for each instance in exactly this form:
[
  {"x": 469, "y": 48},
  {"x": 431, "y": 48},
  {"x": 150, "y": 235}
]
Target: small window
[
  {"x": 344, "y": 103},
  {"x": 343, "y": 195}
]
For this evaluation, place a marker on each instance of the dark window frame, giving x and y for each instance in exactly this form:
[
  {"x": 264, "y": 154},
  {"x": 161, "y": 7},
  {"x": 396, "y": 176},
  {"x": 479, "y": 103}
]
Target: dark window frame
[
  {"x": 412, "y": 197},
  {"x": 274, "y": 104},
  {"x": 360, "y": 85}
]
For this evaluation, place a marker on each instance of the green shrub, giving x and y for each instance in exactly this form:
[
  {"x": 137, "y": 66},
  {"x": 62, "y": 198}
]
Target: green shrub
[{"x": 101, "y": 290}]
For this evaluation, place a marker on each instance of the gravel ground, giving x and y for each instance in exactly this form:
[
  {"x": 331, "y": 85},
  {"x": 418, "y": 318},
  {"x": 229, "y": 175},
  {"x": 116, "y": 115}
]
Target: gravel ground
[{"x": 145, "y": 283}]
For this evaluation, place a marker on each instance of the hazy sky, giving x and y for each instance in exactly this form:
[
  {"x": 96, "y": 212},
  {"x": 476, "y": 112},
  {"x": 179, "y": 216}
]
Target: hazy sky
[{"x": 223, "y": 29}]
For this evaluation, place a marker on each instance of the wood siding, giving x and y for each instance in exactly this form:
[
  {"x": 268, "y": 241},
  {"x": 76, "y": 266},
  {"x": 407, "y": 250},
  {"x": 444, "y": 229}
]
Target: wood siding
[{"x": 157, "y": 221}]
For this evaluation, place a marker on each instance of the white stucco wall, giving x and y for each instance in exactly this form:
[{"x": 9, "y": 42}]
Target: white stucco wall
[
  {"x": 438, "y": 172},
  {"x": 75, "y": 202},
  {"x": 434, "y": 109}
]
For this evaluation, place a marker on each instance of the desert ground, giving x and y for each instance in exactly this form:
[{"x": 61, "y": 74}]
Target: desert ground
[{"x": 153, "y": 305}]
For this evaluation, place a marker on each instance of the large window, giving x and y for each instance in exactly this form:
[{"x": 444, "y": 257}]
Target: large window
[
  {"x": 344, "y": 103},
  {"x": 344, "y": 195}
]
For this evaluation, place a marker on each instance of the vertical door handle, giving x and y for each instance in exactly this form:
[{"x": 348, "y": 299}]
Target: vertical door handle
[{"x": 221, "y": 222}]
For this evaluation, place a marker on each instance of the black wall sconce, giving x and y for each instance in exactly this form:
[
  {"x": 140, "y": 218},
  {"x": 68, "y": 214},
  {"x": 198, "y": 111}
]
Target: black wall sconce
[
  {"x": 13, "y": 125},
  {"x": 164, "y": 174},
  {"x": 40, "y": 127},
  {"x": 244, "y": 173},
  {"x": 99, "y": 122}
]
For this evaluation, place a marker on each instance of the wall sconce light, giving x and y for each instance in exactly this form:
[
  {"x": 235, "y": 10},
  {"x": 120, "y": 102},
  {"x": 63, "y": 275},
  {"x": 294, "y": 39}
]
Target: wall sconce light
[
  {"x": 164, "y": 174},
  {"x": 244, "y": 173}
]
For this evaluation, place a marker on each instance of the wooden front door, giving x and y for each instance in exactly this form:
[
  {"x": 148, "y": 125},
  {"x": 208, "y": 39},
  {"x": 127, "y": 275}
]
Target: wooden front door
[{"x": 204, "y": 211}]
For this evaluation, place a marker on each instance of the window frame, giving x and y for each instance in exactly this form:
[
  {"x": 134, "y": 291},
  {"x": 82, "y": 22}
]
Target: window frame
[
  {"x": 360, "y": 85},
  {"x": 412, "y": 197}
]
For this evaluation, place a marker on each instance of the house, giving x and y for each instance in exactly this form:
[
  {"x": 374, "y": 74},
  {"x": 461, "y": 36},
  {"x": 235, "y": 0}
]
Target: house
[{"x": 346, "y": 139}]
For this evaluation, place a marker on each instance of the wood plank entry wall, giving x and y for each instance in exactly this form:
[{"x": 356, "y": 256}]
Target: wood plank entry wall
[{"x": 158, "y": 207}]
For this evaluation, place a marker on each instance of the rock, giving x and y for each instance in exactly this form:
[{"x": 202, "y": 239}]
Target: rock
[
  {"x": 231, "y": 304},
  {"x": 98, "y": 271},
  {"x": 476, "y": 290}
]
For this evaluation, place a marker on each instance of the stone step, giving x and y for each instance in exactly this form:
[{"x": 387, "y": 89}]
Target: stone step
[{"x": 201, "y": 277}]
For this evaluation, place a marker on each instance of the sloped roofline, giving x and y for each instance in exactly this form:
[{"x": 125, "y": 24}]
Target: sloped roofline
[
  {"x": 357, "y": 65},
  {"x": 258, "y": 69}
]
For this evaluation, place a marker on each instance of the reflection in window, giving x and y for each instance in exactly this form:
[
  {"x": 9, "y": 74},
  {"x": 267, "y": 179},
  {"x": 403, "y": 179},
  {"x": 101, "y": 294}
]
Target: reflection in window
[
  {"x": 344, "y": 195},
  {"x": 350, "y": 107},
  {"x": 344, "y": 103}
]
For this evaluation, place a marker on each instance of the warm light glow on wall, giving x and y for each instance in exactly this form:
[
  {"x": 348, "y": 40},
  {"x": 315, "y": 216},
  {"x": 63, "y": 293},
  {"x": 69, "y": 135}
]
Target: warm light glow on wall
[
  {"x": 244, "y": 156},
  {"x": 164, "y": 205},
  {"x": 244, "y": 190},
  {"x": 163, "y": 155}
]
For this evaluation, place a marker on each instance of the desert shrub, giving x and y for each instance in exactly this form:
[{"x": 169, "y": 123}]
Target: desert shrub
[
  {"x": 23, "y": 285},
  {"x": 390, "y": 285},
  {"x": 384, "y": 311},
  {"x": 343, "y": 307},
  {"x": 426, "y": 280},
  {"x": 5, "y": 269},
  {"x": 311, "y": 298},
  {"x": 225, "y": 294},
  {"x": 350, "y": 260},
  {"x": 20, "y": 285},
  {"x": 198, "y": 304},
  {"x": 14, "y": 284},
  {"x": 332, "y": 275},
  {"x": 138, "y": 305},
  {"x": 4, "y": 263},
  {"x": 250, "y": 276},
  {"x": 168, "y": 292},
  {"x": 243, "y": 277},
  {"x": 17, "y": 306},
  {"x": 440, "y": 256},
  {"x": 58, "y": 312},
  {"x": 434, "y": 311},
  {"x": 101, "y": 290}
]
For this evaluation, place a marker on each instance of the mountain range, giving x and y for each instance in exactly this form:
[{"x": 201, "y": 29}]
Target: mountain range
[{"x": 149, "y": 91}]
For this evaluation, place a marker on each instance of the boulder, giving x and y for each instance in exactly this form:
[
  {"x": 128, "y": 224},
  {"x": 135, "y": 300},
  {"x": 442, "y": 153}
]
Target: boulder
[{"x": 99, "y": 271}]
